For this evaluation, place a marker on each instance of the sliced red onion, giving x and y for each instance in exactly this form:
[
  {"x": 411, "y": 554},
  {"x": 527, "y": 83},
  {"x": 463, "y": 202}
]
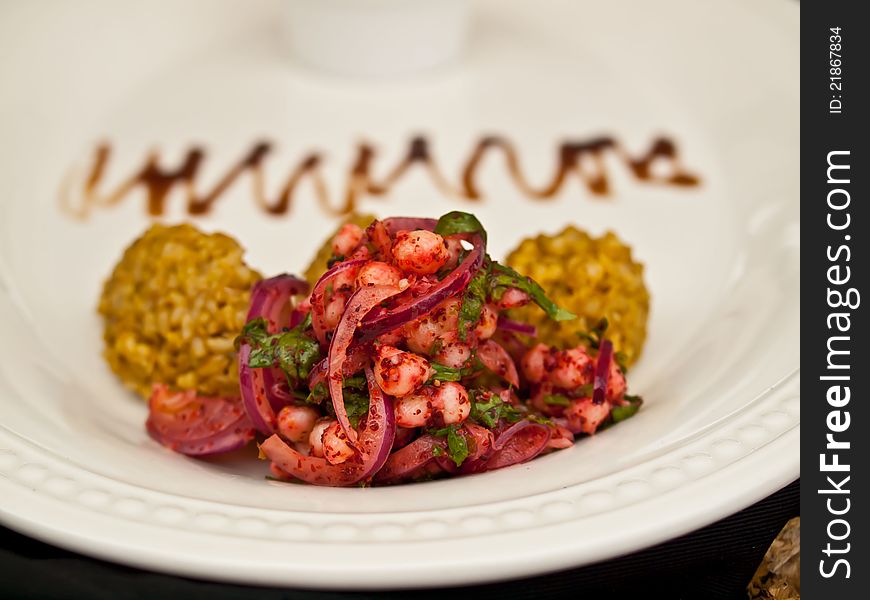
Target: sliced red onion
[
  {"x": 196, "y": 425},
  {"x": 270, "y": 300},
  {"x": 318, "y": 292},
  {"x": 278, "y": 392},
  {"x": 358, "y": 306},
  {"x": 506, "y": 434},
  {"x": 405, "y": 462},
  {"x": 396, "y": 224},
  {"x": 521, "y": 442},
  {"x": 254, "y": 396},
  {"x": 296, "y": 317},
  {"x": 602, "y": 372},
  {"x": 404, "y": 436},
  {"x": 496, "y": 359},
  {"x": 379, "y": 237},
  {"x": 506, "y": 324},
  {"x": 381, "y": 320},
  {"x": 375, "y": 440},
  {"x": 513, "y": 344},
  {"x": 357, "y": 359}
]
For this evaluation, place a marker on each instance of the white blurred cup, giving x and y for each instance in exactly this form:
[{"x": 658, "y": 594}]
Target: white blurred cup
[{"x": 377, "y": 38}]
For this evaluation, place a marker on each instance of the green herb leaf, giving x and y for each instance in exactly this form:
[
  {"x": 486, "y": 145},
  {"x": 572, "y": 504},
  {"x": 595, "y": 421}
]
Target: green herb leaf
[
  {"x": 596, "y": 334},
  {"x": 437, "y": 451},
  {"x": 489, "y": 409},
  {"x": 294, "y": 351},
  {"x": 621, "y": 360},
  {"x": 444, "y": 373},
  {"x": 357, "y": 382},
  {"x": 473, "y": 300},
  {"x": 621, "y": 413},
  {"x": 318, "y": 394},
  {"x": 457, "y": 446},
  {"x": 538, "y": 419},
  {"x": 356, "y": 403},
  {"x": 557, "y": 400},
  {"x": 256, "y": 334},
  {"x": 459, "y": 222},
  {"x": 583, "y": 391},
  {"x": 503, "y": 277}
]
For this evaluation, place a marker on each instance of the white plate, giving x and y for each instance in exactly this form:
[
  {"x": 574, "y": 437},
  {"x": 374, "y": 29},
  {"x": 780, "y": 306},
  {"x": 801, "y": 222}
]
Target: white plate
[{"x": 720, "y": 371}]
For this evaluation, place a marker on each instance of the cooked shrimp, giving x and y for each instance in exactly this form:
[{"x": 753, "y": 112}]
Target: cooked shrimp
[
  {"x": 451, "y": 400},
  {"x": 426, "y": 334},
  {"x": 454, "y": 250},
  {"x": 532, "y": 363},
  {"x": 347, "y": 239},
  {"x": 296, "y": 422},
  {"x": 488, "y": 322},
  {"x": 345, "y": 281},
  {"x": 378, "y": 273},
  {"x": 399, "y": 373},
  {"x": 513, "y": 298},
  {"x": 336, "y": 448},
  {"x": 616, "y": 385},
  {"x": 584, "y": 415},
  {"x": 315, "y": 438},
  {"x": 361, "y": 252},
  {"x": 561, "y": 438},
  {"x": 453, "y": 354},
  {"x": 304, "y": 307},
  {"x": 445, "y": 404},
  {"x": 279, "y": 473},
  {"x": 569, "y": 369},
  {"x": 392, "y": 338},
  {"x": 421, "y": 252},
  {"x": 334, "y": 309},
  {"x": 414, "y": 410}
]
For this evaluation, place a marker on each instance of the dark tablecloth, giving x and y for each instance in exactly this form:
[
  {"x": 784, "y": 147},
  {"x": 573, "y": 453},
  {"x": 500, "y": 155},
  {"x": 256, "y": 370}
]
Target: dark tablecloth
[{"x": 714, "y": 562}]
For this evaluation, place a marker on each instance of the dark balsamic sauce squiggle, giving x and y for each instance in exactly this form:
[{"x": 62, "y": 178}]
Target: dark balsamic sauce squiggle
[{"x": 584, "y": 159}]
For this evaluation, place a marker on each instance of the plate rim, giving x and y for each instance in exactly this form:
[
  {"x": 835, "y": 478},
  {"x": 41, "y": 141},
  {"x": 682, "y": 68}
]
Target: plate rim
[
  {"x": 765, "y": 431},
  {"x": 33, "y": 507}
]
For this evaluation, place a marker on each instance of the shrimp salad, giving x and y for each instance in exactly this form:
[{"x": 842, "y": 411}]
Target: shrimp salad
[{"x": 399, "y": 365}]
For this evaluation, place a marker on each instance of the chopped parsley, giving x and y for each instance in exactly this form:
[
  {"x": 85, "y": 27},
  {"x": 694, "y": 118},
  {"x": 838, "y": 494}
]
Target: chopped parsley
[
  {"x": 503, "y": 277},
  {"x": 445, "y": 373},
  {"x": 318, "y": 393},
  {"x": 621, "y": 360},
  {"x": 457, "y": 445},
  {"x": 459, "y": 222},
  {"x": 473, "y": 300},
  {"x": 621, "y": 413},
  {"x": 596, "y": 334},
  {"x": 583, "y": 391},
  {"x": 557, "y": 400},
  {"x": 490, "y": 411},
  {"x": 354, "y": 393},
  {"x": 356, "y": 403},
  {"x": 293, "y": 351}
]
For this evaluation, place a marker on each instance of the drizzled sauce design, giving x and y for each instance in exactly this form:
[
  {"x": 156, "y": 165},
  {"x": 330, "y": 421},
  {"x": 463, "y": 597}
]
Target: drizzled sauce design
[{"x": 584, "y": 160}]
